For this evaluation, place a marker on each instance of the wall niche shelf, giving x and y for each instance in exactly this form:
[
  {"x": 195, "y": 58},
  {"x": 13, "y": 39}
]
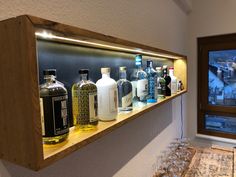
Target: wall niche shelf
[{"x": 21, "y": 53}]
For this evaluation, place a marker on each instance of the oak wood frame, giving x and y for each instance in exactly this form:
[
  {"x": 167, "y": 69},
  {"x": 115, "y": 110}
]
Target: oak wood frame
[{"x": 20, "y": 125}]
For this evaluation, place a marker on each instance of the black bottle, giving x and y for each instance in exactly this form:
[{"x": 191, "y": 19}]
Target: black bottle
[
  {"x": 168, "y": 80},
  {"x": 53, "y": 105}
]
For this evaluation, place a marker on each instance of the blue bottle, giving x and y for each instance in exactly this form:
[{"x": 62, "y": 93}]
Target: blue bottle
[
  {"x": 152, "y": 82},
  {"x": 139, "y": 83}
]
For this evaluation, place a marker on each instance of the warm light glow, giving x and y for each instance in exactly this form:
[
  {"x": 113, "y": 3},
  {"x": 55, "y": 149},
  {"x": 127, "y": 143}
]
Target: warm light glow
[{"x": 49, "y": 36}]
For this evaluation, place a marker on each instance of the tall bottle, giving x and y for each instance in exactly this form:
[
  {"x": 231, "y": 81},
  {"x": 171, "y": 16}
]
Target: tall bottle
[
  {"x": 87, "y": 102},
  {"x": 161, "y": 83},
  {"x": 152, "y": 82},
  {"x": 168, "y": 80},
  {"x": 139, "y": 83},
  {"x": 53, "y": 106},
  {"x": 124, "y": 91},
  {"x": 174, "y": 83},
  {"x": 107, "y": 96}
]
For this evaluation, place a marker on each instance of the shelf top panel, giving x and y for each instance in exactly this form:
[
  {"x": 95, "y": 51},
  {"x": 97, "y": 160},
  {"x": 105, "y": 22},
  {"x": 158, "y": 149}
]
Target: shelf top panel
[{"x": 54, "y": 31}]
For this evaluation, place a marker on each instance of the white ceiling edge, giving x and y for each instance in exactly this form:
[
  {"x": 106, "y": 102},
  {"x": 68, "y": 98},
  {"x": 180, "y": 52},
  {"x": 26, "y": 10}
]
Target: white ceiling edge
[{"x": 184, "y": 5}]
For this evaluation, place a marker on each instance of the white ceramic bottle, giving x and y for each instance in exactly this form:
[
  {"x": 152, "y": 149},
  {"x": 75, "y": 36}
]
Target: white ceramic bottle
[
  {"x": 174, "y": 83},
  {"x": 107, "y": 96}
]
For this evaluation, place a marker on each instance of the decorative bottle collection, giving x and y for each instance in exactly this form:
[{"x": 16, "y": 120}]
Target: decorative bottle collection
[{"x": 101, "y": 101}]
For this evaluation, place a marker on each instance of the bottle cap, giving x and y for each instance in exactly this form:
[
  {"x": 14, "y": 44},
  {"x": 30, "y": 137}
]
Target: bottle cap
[
  {"x": 49, "y": 72},
  {"x": 83, "y": 71},
  {"x": 171, "y": 68},
  {"x": 122, "y": 68},
  {"x": 138, "y": 60},
  {"x": 105, "y": 70}
]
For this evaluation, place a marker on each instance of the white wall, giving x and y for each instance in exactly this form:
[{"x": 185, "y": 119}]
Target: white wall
[
  {"x": 208, "y": 17},
  {"x": 131, "y": 150}
]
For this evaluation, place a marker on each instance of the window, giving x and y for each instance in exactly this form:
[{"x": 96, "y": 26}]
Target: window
[{"x": 217, "y": 86}]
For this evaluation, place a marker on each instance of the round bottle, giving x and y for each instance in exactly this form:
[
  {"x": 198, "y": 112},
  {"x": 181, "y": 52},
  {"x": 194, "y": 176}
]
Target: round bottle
[
  {"x": 53, "y": 104},
  {"x": 107, "y": 96}
]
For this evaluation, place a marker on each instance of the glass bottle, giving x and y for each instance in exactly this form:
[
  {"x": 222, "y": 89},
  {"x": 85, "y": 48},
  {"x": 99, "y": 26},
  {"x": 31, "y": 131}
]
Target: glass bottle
[
  {"x": 87, "y": 102},
  {"x": 139, "y": 83},
  {"x": 173, "y": 81},
  {"x": 161, "y": 83},
  {"x": 53, "y": 105},
  {"x": 107, "y": 96},
  {"x": 168, "y": 80},
  {"x": 152, "y": 82},
  {"x": 124, "y": 91}
]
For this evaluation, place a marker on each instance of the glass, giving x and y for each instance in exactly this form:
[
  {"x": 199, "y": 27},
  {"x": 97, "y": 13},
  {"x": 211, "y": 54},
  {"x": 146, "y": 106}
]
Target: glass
[
  {"x": 220, "y": 123},
  {"x": 222, "y": 78}
]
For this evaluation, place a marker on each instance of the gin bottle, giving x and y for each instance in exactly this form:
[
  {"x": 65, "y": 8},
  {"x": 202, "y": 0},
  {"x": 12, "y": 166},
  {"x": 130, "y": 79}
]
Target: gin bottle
[
  {"x": 124, "y": 91},
  {"x": 53, "y": 106},
  {"x": 87, "y": 102},
  {"x": 107, "y": 96},
  {"x": 139, "y": 83},
  {"x": 161, "y": 83},
  {"x": 152, "y": 82},
  {"x": 168, "y": 80}
]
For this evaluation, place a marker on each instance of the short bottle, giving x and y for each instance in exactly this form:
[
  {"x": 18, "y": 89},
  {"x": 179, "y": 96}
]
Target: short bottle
[
  {"x": 139, "y": 83},
  {"x": 168, "y": 80},
  {"x": 161, "y": 83},
  {"x": 107, "y": 96},
  {"x": 124, "y": 91},
  {"x": 152, "y": 82},
  {"x": 53, "y": 105},
  {"x": 174, "y": 84},
  {"x": 87, "y": 102}
]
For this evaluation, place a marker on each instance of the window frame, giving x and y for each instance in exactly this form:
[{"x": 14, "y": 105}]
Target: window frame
[{"x": 206, "y": 44}]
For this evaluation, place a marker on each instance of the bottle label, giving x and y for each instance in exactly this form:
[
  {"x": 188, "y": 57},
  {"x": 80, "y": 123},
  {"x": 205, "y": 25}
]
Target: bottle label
[
  {"x": 93, "y": 107},
  {"x": 127, "y": 100},
  {"x": 113, "y": 100},
  {"x": 152, "y": 87},
  {"x": 42, "y": 116},
  {"x": 142, "y": 87},
  {"x": 54, "y": 115},
  {"x": 174, "y": 87},
  {"x": 134, "y": 88},
  {"x": 59, "y": 105}
]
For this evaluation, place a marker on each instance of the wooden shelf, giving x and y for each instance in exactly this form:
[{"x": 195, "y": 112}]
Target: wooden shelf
[
  {"x": 20, "y": 120},
  {"x": 78, "y": 139}
]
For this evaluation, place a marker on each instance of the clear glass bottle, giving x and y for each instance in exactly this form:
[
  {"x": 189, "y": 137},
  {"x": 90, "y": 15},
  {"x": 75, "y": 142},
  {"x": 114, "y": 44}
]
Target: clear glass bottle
[
  {"x": 107, "y": 96},
  {"x": 139, "y": 83},
  {"x": 173, "y": 84},
  {"x": 124, "y": 91},
  {"x": 75, "y": 102},
  {"x": 152, "y": 82},
  {"x": 161, "y": 83},
  {"x": 168, "y": 80},
  {"x": 53, "y": 105},
  {"x": 87, "y": 102}
]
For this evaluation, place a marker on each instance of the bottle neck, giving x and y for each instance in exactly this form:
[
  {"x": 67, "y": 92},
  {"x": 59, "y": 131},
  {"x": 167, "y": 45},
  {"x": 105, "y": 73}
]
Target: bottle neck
[
  {"x": 106, "y": 75},
  {"x": 139, "y": 66},
  {"x": 50, "y": 78},
  {"x": 123, "y": 75},
  {"x": 84, "y": 77}
]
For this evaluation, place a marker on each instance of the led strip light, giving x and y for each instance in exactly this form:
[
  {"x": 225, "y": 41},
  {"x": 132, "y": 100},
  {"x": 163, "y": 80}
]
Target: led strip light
[{"x": 50, "y": 36}]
